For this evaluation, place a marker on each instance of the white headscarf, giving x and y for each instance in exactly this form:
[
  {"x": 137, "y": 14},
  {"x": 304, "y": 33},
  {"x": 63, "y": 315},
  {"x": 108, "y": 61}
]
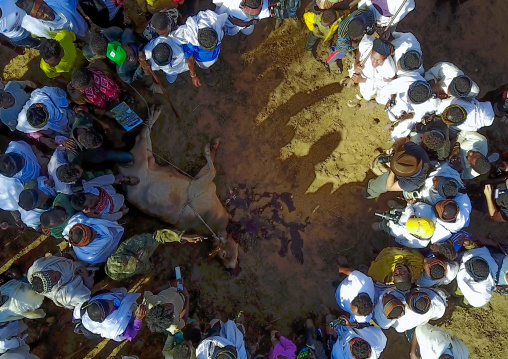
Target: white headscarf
[
  {"x": 67, "y": 18},
  {"x": 70, "y": 290},
  {"x": 372, "y": 335},
  {"x": 117, "y": 321},
  {"x": 56, "y": 102},
  {"x": 433, "y": 341},
  {"x": 23, "y": 302},
  {"x": 58, "y": 159},
  {"x": 32, "y": 168},
  {"x": 229, "y": 335},
  {"x": 10, "y": 188},
  {"x": 429, "y": 193}
]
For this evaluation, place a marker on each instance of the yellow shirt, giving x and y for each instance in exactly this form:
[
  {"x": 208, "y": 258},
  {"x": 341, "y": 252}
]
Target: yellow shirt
[
  {"x": 381, "y": 269},
  {"x": 72, "y": 57}
]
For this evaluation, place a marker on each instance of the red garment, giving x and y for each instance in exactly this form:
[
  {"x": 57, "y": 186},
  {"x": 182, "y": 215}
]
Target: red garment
[
  {"x": 104, "y": 200},
  {"x": 102, "y": 90}
]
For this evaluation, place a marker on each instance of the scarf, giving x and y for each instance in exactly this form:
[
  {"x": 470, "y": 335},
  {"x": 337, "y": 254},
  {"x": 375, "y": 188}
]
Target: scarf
[
  {"x": 250, "y": 12},
  {"x": 87, "y": 235},
  {"x": 444, "y": 115},
  {"x": 424, "y": 84},
  {"x": 70, "y": 290},
  {"x": 413, "y": 298},
  {"x": 383, "y": 48},
  {"x": 470, "y": 268},
  {"x": 435, "y": 262},
  {"x": 390, "y": 302},
  {"x": 372, "y": 335},
  {"x": 440, "y": 208},
  {"x": 102, "y": 90},
  {"x": 104, "y": 200},
  {"x": 188, "y": 34},
  {"x": 47, "y": 284},
  {"x": 115, "y": 324}
]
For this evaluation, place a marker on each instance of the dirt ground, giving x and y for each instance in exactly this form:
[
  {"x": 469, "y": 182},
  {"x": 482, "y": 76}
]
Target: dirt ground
[{"x": 296, "y": 156}]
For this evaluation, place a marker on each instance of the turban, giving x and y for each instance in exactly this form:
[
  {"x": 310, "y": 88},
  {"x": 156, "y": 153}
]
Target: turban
[
  {"x": 460, "y": 86},
  {"x": 390, "y": 303},
  {"x": 432, "y": 262},
  {"x": 87, "y": 234},
  {"x": 383, "y": 48},
  {"x": 443, "y": 182},
  {"x": 228, "y": 351},
  {"x": 477, "y": 268},
  {"x": 418, "y": 302},
  {"x": 45, "y": 278},
  {"x": 37, "y": 116},
  {"x": 440, "y": 208},
  {"x": 250, "y": 12},
  {"x": 458, "y": 115}
]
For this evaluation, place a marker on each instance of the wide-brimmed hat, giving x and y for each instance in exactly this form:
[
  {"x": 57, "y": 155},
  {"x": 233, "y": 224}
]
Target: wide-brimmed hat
[{"x": 404, "y": 164}]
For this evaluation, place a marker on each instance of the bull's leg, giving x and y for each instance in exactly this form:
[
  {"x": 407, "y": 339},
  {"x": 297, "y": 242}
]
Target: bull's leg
[{"x": 207, "y": 173}]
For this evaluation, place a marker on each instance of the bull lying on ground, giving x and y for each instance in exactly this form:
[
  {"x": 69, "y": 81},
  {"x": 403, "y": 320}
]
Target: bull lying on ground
[{"x": 172, "y": 197}]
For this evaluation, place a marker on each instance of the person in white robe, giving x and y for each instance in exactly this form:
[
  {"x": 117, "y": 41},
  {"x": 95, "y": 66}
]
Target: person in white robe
[
  {"x": 172, "y": 66},
  {"x": 407, "y": 100},
  {"x": 53, "y": 16},
  {"x": 476, "y": 276},
  {"x": 446, "y": 226},
  {"x": 45, "y": 192},
  {"x": 385, "y": 10},
  {"x": 434, "y": 189},
  {"x": 356, "y": 294},
  {"x": 239, "y": 20},
  {"x": 58, "y": 159},
  {"x": 100, "y": 238},
  {"x": 390, "y": 306},
  {"x": 433, "y": 308},
  {"x": 378, "y": 70},
  {"x": 471, "y": 142},
  {"x": 100, "y": 199},
  {"x": 55, "y": 105},
  {"x": 66, "y": 282},
  {"x": 30, "y": 167},
  {"x": 403, "y": 42},
  {"x": 475, "y": 114},
  {"x": 434, "y": 342},
  {"x": 19, "y": 301},
  {"x": 23, "y": 352},
  {"x": 10, "y": 21},
  {"x": 121, "y": 318},
  {"x": 352, "y": 339},
  {"x": 11, "y": 335},
  {"x": 10, "y": 188},
  {"x": 437, "y": 273},
  {"x": 230, "y": 336},
  {"x": 443, "y": 78}
]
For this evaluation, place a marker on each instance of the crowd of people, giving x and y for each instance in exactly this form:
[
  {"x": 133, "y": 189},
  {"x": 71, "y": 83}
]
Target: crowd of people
[{"x": 60, "y": 176}]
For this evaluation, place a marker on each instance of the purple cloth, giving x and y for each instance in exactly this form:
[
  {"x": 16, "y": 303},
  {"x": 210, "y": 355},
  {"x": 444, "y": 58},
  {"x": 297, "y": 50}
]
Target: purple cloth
[
  {"x": 382, "y": 7},
  {"x": 132, "y": 329},
  {"x": 285, "y": 348}
]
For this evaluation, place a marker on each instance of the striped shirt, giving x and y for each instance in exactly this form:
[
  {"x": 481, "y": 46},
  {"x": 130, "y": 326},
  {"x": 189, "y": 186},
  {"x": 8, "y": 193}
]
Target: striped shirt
[{"x": 344, "y": 42}]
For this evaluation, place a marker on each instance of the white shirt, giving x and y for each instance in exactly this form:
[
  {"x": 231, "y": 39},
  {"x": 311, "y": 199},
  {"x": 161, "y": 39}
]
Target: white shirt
[
  {"x": 350, "y": 288},
  {"x": 477, "y": 293},
  {"x": 445, "y": 230},
  {"x": 471, "y": 141},
  {"x": 452, "y": 268},
  {"x": 479, "y": 114},
  {"x": 178, "y": 63},
  {"x": 372, "y": 335},
  {"x": 393, "y": 7},
  {"x": 10, "y": 22},
  {"x": 429, "y": 193},
  {"x": 404, "y": 42},
  {"x": 399, "y": 231},
  {"x": 444, "y": 72}
]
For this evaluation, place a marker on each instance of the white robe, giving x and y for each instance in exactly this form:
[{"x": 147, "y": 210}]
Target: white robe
[
  {"x": 67, "y": 18},
  {"x": 477, "y": 293},
  {"x": 444, "y": 72},
  {"x": 379, "y": 315},
  {"x": 375, "y": 76},
  {"x": 10, "y": 188},
  {"x": 10, "y": 335},
  {"x": 32, "y": 168},
  {"x": 434, "y": 342},
  {"x": 232, "y": 8},
  {"x": 404, "y": 42},
  {"x": 348, "y": 290},
  {"x": 178, "y": 63},
  {"x": 436, "y": 311},
  {"x": 393, "y": 6},
  {"x": 229, "y": 335},
  {"x": 188, "y": 33},
  {"x": 479, "y": 114},
  {"x": 372, "y": 335},
  {"x": 58, "y": 159},
  {"x": 471, "y": 141},
  {"x": 10, "y": 22},
  {"x": 70, "y": 290},
  {"x": 116, "y": 322},
  {"x": 429, "y": 193},
  {"x": 399, "y": 87},
  {"x": 55, "y": 100},
  {"x": 23, "y": 302},
  {"x": 452, "y": 268},
  {"x": 23, "y": 352},
  {"x": 105, "y": 243}
]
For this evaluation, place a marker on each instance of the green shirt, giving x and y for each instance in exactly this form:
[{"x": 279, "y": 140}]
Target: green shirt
[{"x": 63, "y": 201}]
